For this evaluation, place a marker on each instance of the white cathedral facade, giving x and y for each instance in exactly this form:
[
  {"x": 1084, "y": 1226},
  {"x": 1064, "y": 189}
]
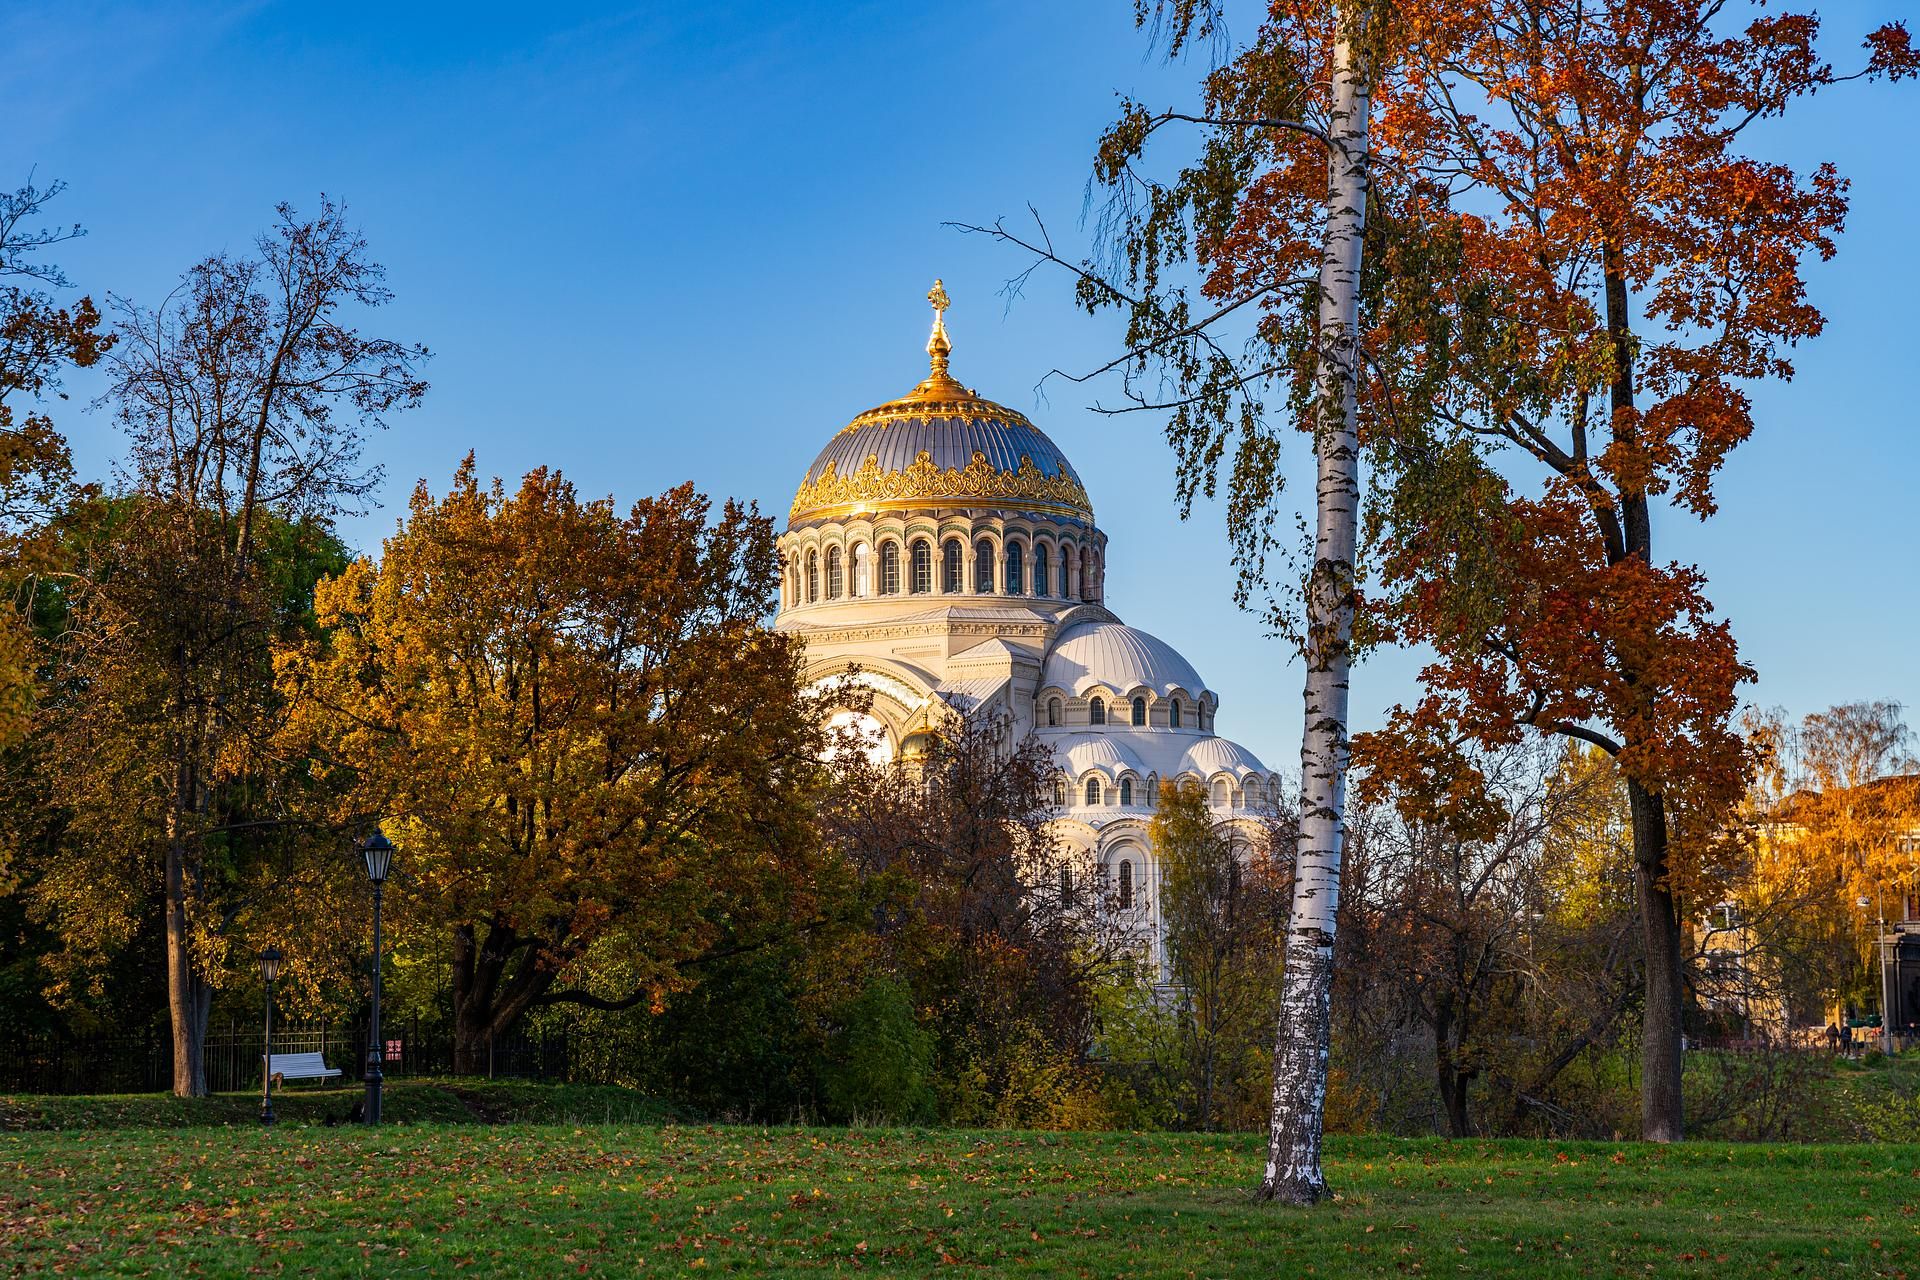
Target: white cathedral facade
[{"x": 942, "y": 547}]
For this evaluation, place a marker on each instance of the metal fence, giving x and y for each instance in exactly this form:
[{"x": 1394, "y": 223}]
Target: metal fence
[{"x": 144, "y": 1063}]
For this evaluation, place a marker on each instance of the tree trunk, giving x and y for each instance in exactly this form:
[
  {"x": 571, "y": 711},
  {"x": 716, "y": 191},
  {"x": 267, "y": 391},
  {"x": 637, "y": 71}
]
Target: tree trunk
[
  {"x": 1302, "y": 1038},
  {"x": 1448, "y": 1078},
  {"x": 472, "y": 1042},
  {"x": 1661, "y": 1104},
  {"x": 483, "y": 1008},
  {"x": 1661, "y": 1111},
  {"x": 189, "y": 995},
  {"x": 474, "y": 977}
]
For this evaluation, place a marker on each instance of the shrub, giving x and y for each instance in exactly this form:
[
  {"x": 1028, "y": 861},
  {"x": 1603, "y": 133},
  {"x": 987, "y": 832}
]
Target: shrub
[{"x": 880, "y": 1061}]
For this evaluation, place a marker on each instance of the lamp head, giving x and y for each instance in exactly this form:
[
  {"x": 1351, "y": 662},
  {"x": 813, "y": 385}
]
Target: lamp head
[
  {"x": 270, "y": 963},
  {"x": 378, "y": 852}
]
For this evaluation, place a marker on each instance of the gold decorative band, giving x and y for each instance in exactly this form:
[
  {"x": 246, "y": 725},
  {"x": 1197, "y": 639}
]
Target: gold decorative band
[
  {"x": 977, "y": 483},
  {"x": 925, "y": 411}
]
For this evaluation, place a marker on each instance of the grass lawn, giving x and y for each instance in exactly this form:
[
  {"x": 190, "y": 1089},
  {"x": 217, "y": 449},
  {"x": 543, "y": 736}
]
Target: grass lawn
[{"x": 618, "y": 1198}]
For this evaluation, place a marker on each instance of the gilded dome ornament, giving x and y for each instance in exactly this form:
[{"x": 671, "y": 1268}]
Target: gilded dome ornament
[
  {"x": 940, "y": 445},
  {"x": 939, "y": 346}
]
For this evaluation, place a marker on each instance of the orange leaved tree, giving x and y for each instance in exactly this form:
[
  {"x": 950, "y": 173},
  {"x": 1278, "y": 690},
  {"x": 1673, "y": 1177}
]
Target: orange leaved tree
[
  {"x": 1571, "y": 274},
  {"x": 1604, "y": 272},
  {"x": 586, "y": 744}
]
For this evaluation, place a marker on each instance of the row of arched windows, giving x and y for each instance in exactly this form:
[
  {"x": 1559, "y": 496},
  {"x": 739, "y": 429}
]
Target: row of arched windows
[
  {"x": 854, "y": 576},
  {"x": 1134, "y": 710},
  {"x": 1252, "y": 793}
]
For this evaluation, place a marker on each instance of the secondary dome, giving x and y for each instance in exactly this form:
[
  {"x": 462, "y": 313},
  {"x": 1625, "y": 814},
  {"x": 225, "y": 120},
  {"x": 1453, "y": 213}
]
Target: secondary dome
[
  {"x": 940, "y": 445},
  {"x": 1117, "y": 656},
  {"x": 1217, "y": 755},
  {"x": 1103, "y": 751}
]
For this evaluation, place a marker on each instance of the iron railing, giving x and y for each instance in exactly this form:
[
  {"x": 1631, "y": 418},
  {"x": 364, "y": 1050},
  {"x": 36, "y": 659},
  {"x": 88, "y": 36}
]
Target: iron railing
[{"x": 143, "y": 1063}]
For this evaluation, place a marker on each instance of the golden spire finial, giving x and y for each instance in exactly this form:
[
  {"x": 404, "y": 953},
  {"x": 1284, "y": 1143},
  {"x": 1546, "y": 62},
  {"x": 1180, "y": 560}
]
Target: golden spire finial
[{"x": 937, "y": 346}]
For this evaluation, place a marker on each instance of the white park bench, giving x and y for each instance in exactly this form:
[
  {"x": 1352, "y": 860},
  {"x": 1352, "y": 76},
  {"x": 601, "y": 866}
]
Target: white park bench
[{"x": 300, "y": 1066}]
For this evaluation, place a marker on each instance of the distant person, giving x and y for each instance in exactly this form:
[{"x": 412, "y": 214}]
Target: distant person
[{"x": 1835, "y": 1041}]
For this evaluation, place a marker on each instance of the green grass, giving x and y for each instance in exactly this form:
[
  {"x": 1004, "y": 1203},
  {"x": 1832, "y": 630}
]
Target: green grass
[{"x": 621, "y": 1199}]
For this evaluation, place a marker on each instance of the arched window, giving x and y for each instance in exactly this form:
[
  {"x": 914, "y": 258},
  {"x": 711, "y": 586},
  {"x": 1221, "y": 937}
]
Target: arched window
[
  {"x": 1066, "y": 885},
  {"x": 920, "y": 578},
  {"x": 1126, "y": 792},
  {"x": 862, "y": 571},
  {"x": 1139, "y": 711},
  {"x": 1066, "y": 554},
  {"x": 1053, "y": 713},
  {"x": 836, "y": 574},
  {"x": 1220, "y": 792},
  {"x": 1126, "y": 884},
  {"x": 1040, "y": 570},
  {"x": 1016, "y": 569},
  {"x": 1097, "y": 712},
  {"x": 1060, "y": 793},
  {"x": 951, "y": 557},
  {"x": 1086, "y": 573},
  {"x": 983, "y": 568},
  {"x": 1173, "y": 714},
  {"x": 813, "y": 576},
  {"x": 890, "y": 569},
  {"x": 1093, "y": 791}
]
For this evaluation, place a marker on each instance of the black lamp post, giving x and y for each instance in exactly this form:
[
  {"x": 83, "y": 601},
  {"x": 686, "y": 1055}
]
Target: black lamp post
[
  {"x": 378, "y": 852},
  {"x": 269, "y": 969}
]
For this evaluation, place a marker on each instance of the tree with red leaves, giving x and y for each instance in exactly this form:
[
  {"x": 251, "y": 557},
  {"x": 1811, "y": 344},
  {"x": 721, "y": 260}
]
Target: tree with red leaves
[
  {"x": 1602, "y": 274},
  {"x": 1564, "y": 274}
]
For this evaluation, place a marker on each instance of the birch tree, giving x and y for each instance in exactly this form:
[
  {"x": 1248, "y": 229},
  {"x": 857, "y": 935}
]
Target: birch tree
[{"x": 1273, "y": 219}]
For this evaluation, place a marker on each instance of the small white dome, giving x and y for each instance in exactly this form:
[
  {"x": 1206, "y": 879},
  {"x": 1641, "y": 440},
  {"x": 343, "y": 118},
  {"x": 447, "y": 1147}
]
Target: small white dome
[
  {"x": 1118, "y": 656},
  {"x": 1102, "y": 752},
  {"x": 1209, "y": 756}
]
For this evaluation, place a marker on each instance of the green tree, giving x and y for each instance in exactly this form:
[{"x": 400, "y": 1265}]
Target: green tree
[
  {"x": 89, "y": 797},
  {"x": 879, "y": 1062},
  {"x": 1223, "y": 912}
]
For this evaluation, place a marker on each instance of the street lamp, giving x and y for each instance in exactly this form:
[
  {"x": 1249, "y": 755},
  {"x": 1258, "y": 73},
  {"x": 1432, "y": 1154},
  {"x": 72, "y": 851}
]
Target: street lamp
[
  {"x": 377, "y": 850},
  {"x": 269, "y": 969},
  {"x": 1880, "y": 968}
]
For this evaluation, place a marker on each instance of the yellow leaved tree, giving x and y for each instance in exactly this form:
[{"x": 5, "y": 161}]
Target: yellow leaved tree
[{"x": 592, "y": 753}]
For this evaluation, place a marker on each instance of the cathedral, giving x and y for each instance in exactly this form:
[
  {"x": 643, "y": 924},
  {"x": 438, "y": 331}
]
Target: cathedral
[{"x": 943, "y": 549}]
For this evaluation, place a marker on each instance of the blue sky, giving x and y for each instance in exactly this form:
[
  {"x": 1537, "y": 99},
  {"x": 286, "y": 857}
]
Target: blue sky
[{"x": 669, "y": 242}]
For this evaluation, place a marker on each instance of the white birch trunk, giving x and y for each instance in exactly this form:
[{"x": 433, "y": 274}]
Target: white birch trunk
[{"x": 1300, "y": 1053}]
